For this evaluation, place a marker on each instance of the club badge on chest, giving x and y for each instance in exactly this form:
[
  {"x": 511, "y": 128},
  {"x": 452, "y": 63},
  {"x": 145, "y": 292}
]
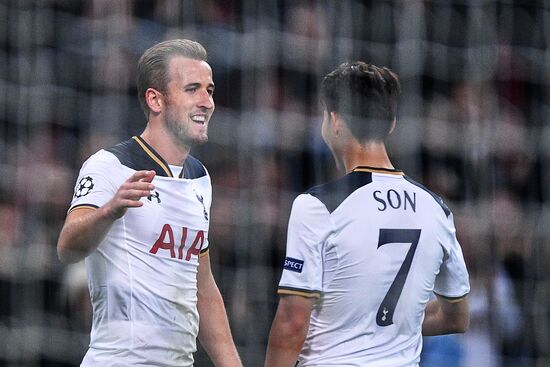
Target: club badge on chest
[{"x": 201, "y": 200}]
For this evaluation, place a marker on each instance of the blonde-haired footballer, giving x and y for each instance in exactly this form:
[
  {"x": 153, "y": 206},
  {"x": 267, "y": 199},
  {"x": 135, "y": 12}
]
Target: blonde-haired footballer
[
  {"x": 140, "y": 218},
  {"x": 366, "y": 252}
]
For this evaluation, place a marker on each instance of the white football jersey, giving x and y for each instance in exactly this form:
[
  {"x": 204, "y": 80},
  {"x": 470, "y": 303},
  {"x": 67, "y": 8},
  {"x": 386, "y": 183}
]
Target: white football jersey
[
  {"x": 143, "y": 275},
  {"x": 372, "y": 246}
]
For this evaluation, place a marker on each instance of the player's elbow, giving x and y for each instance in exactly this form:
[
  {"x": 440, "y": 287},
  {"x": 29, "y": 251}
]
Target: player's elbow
[
  {"x": 458, "y": 321},
  {"x": 457, "y": 327},
  {"x": 296, "y": 327},
  {"x": 291, "y": 321},
  {"x": 66, "y": 254},
  {"x": 455, "y": 315},
  {"x": 461, "y": 324}
]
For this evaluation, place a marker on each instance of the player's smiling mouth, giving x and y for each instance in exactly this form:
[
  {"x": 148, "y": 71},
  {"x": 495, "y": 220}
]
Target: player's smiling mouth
[{"x": 199, "y": 119}]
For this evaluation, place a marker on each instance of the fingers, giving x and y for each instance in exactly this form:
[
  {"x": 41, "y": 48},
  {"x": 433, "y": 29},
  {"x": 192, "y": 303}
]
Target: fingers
[
  {"x": 142, "y": 176},
  {"x": 149, "y": 177},
  {"x": 136, "y": 187},
  {"x": 134, "y": 194},
  {"x": 129, "y": 194},
  {"x": 129, "y": 203},
  {"x": 141, "y": 180}
]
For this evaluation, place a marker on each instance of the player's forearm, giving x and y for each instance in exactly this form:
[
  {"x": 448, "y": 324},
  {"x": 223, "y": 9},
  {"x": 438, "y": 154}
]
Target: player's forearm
[
  {"x": 284, "y": 345},
  {"x": 287, "y": 336},
  {"x": 432, "y": 319},
  {"x": 214, "y": 332},
  {"x": 82, "y": 233},
  {"x": 280, "y": 353},
  {"x": 280, "y": 357},
  {"x": 288, "y": 331}
]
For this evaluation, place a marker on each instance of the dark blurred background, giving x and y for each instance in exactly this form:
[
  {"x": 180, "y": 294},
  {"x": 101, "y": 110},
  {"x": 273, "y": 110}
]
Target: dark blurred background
[{"x": 473, "y": 126}]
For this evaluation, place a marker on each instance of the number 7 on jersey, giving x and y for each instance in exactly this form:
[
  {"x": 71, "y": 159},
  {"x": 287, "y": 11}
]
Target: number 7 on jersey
[{"x": 384, "y": 316}]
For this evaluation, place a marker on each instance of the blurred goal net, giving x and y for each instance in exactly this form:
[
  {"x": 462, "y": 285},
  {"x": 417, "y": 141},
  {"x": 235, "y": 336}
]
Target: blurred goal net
[{"x": 473, "y": 126}]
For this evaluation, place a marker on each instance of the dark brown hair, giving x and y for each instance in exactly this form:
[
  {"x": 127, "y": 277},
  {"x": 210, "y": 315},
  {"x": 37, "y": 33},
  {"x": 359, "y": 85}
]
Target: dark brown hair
[{"x": 366, "y": 97}]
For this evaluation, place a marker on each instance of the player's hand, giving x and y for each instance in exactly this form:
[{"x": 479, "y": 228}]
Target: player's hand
[{"x": 130, "y": 192}]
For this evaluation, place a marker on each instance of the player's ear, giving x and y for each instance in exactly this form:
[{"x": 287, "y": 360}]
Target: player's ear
[
  {"x": 336, "y": 123},
  {"x": 154, "y": 100},
  {"x": 392, "y": 127}
]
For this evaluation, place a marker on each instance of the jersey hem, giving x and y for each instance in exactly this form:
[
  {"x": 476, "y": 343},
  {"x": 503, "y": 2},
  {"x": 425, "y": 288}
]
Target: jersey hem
[
  {"x": 289, "y": 291},
  {"x": 452, "y": 299},
  {"x": 83, "y": 206}
]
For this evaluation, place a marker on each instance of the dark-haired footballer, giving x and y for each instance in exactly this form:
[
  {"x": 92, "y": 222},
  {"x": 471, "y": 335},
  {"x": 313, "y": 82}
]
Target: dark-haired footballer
[{"x": 366, "y": 252}]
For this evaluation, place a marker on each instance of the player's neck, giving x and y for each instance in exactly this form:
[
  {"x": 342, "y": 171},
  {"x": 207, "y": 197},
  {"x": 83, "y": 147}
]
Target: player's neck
[
  {"x": 164, "y": 145},
  {"x": 372, "y": 154}
]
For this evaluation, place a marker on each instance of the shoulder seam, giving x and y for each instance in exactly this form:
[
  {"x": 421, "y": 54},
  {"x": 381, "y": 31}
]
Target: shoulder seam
[
  {"x": 436, "y": 197},
  {"x": 333, "y": 193}
]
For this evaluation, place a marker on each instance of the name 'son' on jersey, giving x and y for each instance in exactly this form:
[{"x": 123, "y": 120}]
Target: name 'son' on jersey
[
  {"x": 166, "y": 242},
  {"x": 395, "y": 199}
]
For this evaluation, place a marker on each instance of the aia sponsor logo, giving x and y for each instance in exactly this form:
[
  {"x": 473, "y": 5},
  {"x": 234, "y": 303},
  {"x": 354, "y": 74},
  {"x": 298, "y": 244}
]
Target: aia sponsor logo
[{"x": 185, "y": 250}]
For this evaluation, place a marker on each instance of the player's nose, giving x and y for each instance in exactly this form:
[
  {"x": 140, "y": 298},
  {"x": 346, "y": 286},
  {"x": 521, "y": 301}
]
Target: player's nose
[{"x": 206, "y": 100}]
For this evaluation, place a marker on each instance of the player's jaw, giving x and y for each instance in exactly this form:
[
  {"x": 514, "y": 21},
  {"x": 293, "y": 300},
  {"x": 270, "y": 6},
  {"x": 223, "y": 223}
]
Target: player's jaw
[
  {"x": 199, "y": 125},
  {"x": 190, "y": 129}
]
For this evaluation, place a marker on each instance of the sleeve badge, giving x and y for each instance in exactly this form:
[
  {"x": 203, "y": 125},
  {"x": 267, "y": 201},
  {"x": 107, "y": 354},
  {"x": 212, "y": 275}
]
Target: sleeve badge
[{"x": 84, "y": 187}]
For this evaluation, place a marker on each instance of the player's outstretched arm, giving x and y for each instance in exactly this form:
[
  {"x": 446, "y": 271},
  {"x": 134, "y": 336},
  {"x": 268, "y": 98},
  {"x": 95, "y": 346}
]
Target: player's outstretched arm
[
  {"x": 288, "y": 331},
  {"x": 445, "y": 316},
  {"x": 214, "y": 332},
  {"x": 85, "y": 228}
]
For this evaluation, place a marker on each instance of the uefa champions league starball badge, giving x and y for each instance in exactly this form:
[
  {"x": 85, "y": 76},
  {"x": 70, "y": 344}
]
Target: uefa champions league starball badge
[{"x": 84, "y": 187}]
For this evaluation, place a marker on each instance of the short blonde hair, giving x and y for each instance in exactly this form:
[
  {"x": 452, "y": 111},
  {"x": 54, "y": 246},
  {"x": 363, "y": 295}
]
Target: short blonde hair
[{"x": 152, "y": 69}]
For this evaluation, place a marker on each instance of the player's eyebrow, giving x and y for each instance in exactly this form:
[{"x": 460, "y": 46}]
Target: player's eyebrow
[{"x": 198, "y": 85}]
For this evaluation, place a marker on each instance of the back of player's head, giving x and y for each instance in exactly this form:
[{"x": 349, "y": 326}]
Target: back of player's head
[
  {"x": 152, "y": 69},
  {"x": 365, "y": 96}
]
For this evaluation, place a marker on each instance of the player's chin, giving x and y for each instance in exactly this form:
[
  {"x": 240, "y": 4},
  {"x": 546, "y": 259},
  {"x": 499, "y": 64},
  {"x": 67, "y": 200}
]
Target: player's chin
[{"x": 201, "y": 139}]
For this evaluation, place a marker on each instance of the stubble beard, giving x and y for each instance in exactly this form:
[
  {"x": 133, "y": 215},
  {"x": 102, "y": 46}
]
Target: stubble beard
[{"x": 181, "y": 133}]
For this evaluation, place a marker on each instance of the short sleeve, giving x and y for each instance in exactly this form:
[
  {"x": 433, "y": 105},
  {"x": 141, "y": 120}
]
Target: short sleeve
[
  {"x": 308, "y": 229},
  {"x": 452, "y": 280},
  {"x": 205, "y": 247},
  {"x": 207, "y": 205},
  {"x": 97, "y": 181}
]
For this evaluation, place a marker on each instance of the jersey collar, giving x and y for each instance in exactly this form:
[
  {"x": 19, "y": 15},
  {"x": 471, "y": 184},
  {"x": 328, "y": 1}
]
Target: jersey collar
[
  {"x": 390, "y": 171},
  {"x": 154, "y": 156}
]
